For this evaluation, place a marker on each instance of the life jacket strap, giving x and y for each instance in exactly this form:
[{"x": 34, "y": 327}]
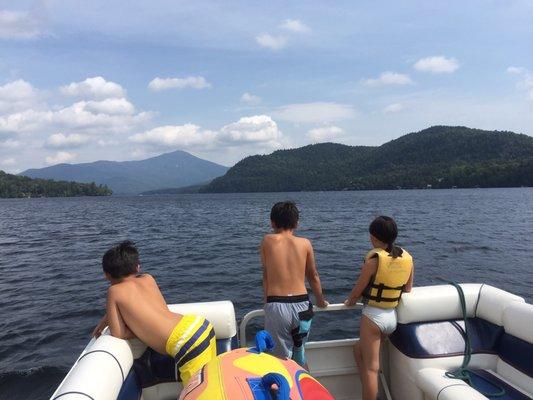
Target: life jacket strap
[{"x": 379, "y": 296}]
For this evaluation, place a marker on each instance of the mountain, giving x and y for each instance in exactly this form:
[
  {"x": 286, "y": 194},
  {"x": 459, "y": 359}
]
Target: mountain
[
  {"x": 440, "y": 156},
  {"x": 132, "y": 177},
  {"x": 22, "y": 186}
]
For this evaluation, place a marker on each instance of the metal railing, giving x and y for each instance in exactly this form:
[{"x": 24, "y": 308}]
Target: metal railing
[{"x": 260, "y": 313}]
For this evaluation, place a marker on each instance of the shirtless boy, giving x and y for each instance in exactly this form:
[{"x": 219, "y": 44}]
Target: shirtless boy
[
  {"x": 136, "y": 308},
  {"x": 287, "y": 261}
]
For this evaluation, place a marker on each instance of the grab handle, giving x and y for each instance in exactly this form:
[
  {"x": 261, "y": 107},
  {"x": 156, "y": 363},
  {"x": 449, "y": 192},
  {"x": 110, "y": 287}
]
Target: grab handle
[{"x": 283, "y": 386}]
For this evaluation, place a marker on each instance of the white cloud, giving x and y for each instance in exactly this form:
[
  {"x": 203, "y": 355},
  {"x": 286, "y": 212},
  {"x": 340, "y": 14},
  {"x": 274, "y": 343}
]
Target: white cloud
[
  {"x": 295, "y": 25},
  {"x": 388, "y": 78},
  {"x": 17, "y": 95},
  {"x": 258, "y": 128},
  {"x": 8, "y": 162},
  {"x": 515, "y": 70},
  {"x": 19, "y": 25},
  {"x": 251, "y": 99},
  {"x": 393, "y": 108},
  {"x": 315, "y": 112},
  {"x": 108, "y": 106},
  {"x": 96, "y": 117},
  {"x": 271, "y": 42},
  {"x": 59, "y": 140},
  {"x": 179, "y": 136},
  {"x": 526, "y": 80},
  {"x": 193, "y": 82},
  {"x": 437, "y": 65},
  {"x": 60, "y": 157},
  {"x": 96, "y": 87},
  {"x": 10, "y": 144},
  {"x": 325, "y": 133}
]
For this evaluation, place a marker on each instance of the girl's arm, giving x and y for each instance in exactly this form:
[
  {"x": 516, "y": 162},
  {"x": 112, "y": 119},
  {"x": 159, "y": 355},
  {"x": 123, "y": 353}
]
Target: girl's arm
[
  {"x": 409, "y": 284},
  {"x": 368, "y": 269}
]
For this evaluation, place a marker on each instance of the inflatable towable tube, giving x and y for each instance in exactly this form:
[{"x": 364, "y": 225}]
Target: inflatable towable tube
[{"x": 251, "y": 374}]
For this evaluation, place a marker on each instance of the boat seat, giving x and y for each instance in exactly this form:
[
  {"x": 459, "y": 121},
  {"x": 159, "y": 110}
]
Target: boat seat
[
  {"x": 152, "y": 368},
  {"x": 429, "y": 341},
  {"x": 439, "y": 387}
]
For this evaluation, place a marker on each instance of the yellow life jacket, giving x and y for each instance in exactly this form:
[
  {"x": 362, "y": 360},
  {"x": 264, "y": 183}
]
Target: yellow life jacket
[{"x": 386, "y": 287}]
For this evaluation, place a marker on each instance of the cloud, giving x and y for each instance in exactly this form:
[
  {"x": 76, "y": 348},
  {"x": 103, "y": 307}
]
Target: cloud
[
  {"x": 60, "y": 157},
  {"x": 17, "y": 95},
  {"x": 388, "y": 78},
  {"x": 393, "y": 108},
  {"x": 315, "y": 112},
  {"x": 271, "y": 42},
  {"x": 437, "y": 65},
  {"x": 251, "y": 99},
  {"x": 96, "y": 87},
  {"x": 10, "y": 144},
  {"x": 257, "y": 129},
  {"x": 60, "y": 141},
  {"x": 87, "y": 116},
  {"x": 325, "y": 133},
  {"x": 193, "y": 82},
  {"x": 108, "y": 106},
  {"x": 19, "y": 25},
  {"x": 516, "y": 70},
  {"x": 180, "y": 136},
  {"x": 295, "y": 25},
  {"x": 8, "y": 162},
  {"x": 526, "y": 80}
]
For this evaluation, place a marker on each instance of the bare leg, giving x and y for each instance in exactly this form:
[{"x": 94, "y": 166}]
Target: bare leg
[
  {"x": 358, "y": 358},
  {"x": 369, "y": 349}
]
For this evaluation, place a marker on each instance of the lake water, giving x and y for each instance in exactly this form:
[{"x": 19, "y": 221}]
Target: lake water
[{"x": 204, "y": 247}]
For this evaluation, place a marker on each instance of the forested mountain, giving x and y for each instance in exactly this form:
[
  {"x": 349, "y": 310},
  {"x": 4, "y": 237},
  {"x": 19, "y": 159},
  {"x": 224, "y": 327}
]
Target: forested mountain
[
  {"x": 175, "y": 169},
  {"x": 440, "y": 156},
  {"x": 22, "y": 186}
]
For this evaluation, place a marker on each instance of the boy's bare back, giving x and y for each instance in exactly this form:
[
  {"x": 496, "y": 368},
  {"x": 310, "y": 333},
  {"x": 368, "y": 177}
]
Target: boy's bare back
[
  {"x": 287, "y": 261},
  {"x": 285, "y": 257},
  {"x": 136, "y": 304}
]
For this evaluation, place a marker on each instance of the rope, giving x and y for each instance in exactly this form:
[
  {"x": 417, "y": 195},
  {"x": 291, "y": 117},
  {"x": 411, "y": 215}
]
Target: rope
[{"x": 463, "y": 372}]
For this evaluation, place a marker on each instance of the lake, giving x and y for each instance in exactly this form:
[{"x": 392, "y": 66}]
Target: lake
[{"x": 205, "y": 247}]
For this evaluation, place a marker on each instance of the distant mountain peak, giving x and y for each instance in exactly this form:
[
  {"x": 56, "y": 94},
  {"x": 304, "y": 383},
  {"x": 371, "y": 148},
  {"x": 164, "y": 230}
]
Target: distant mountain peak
[{"x": 173, "y": 169}]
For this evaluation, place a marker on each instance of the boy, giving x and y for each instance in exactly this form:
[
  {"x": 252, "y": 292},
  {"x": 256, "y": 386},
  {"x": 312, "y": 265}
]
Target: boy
[
  {"x": 287, "y": 260},
  {"x": 136, "y": 308}
]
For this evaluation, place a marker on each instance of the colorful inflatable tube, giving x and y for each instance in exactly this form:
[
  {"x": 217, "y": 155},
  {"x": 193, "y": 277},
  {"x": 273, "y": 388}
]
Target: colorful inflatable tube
[{"x": 251, "y": 374}]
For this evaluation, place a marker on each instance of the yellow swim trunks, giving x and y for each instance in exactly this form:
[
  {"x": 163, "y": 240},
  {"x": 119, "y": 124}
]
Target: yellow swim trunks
[{"x": 192, "y": 344}]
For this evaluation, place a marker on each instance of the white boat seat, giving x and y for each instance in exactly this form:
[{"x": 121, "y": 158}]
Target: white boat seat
[{"x": 429, "y": 341}]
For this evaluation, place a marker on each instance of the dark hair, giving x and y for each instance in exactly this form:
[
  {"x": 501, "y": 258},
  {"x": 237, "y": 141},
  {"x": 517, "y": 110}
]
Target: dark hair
[
  {"x": 385, "y": 229},
  {"x": 285, "y": 215},
  {"x": 121, "y": 260}
]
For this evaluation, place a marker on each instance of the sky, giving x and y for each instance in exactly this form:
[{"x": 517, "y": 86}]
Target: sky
[{"x": 82, "y": 81}]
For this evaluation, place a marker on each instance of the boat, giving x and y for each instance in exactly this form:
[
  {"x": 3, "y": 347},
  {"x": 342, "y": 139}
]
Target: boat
[{"x": 438, "y": 331}]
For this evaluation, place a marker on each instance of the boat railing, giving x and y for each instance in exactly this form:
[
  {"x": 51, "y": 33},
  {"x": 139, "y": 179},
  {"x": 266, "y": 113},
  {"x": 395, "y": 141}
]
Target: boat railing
[{"x": 261, "y": 313}]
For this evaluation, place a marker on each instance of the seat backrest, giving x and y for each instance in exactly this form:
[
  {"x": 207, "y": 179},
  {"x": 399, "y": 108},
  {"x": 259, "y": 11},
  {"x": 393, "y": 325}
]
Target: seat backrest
[
  {"x": 221, "y": 314},
  {"x": 515, "y": 349}
]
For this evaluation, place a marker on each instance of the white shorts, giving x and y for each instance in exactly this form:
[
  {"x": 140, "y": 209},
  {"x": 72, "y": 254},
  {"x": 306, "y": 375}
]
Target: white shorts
[{"x": 384, "y": 318}]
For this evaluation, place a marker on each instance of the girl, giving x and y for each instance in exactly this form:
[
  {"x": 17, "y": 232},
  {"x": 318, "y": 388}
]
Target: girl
[{"x": 387, "y": 272}]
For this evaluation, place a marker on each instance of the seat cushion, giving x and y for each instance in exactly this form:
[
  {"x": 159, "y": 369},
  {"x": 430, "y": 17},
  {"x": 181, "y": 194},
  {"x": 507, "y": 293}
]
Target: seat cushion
[
  {"x": 486, "y": 382},
  {"x": 436, "y": 385},
  {"x": 445, "y": 338}
]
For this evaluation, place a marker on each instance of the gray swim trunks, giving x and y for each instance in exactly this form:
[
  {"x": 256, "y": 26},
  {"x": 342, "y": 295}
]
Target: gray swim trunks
[{"x": 288, "y": 319}]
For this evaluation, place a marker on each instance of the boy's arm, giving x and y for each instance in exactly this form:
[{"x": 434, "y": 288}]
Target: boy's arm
[
  {"x": 313, "y": 278},
  {"x": 369, "y": 268},
  {"x": 100, "y": 327},
  {"x": 409, "y": 284},
  {"x": 117, "y": 326},
  {"x": 263, "y": 264}
]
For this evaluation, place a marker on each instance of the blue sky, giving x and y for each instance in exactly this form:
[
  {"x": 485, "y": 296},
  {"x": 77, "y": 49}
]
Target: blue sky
[{"x": 82, "y": 81}]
